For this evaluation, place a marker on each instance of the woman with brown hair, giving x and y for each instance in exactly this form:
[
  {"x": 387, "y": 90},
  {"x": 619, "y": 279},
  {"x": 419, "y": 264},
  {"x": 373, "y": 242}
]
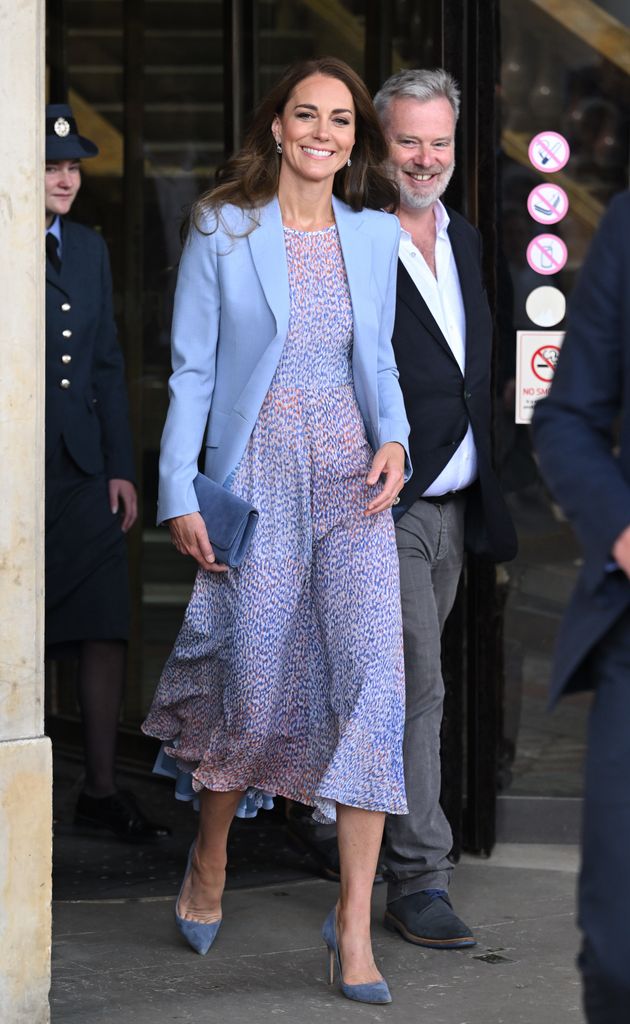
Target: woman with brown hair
[{"x": 287, "y": 675}]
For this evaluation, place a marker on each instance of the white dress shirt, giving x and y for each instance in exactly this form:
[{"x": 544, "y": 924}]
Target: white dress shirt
[{"x": 443, "y": 296}]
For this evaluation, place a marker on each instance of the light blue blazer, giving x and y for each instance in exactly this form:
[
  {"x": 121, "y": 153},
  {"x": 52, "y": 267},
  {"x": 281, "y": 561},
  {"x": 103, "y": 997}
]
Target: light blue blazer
[{"x": 230, "y": 320}]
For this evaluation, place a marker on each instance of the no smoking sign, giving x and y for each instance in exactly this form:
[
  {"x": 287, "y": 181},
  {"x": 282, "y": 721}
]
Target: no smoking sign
[
  {"x": 544, "y": 362},
  {"x": 536, "y": 360}
]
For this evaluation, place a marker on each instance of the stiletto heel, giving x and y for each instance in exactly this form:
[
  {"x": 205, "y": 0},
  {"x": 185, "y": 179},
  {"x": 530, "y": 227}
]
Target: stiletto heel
[
  {"x": 198, "y": 935},
  {"x": 331, "y": 967},
  {"x": 371, "y": 992}
]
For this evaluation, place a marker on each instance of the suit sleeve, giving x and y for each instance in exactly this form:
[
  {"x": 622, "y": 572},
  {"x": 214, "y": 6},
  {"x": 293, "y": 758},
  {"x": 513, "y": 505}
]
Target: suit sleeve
[
  {"x": 573, "y": 427},
  {"x": 393, "y": 424},
  {"x": 194, "y": 340},
  {"x": 110, "y": 388}
]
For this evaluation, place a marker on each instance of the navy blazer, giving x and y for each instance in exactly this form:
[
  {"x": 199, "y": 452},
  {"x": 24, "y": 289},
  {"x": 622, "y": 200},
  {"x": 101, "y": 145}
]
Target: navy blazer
[
  {"x": 230, "y": 320},
  {"x": 86, "y": 396},
  {"x": 441, "y": 401},
  {"x": 582, "y": 436}
]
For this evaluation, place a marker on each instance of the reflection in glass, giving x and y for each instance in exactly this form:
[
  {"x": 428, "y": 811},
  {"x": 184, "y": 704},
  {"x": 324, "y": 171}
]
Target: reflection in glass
[{"x": 556, "y": 80}]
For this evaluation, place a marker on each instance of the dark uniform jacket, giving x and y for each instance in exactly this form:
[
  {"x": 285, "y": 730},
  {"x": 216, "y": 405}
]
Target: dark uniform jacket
[
  {"x": 86, "y": 396},
  {"x": 441, "y": 401}
]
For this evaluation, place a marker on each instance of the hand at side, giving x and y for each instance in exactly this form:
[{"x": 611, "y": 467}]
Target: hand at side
[
  {"x": 190, "y": 537},
  {"x": 389, "y": 462},
  {"x": 621, "y": 551},
  {"x": 123, "y": 491}
]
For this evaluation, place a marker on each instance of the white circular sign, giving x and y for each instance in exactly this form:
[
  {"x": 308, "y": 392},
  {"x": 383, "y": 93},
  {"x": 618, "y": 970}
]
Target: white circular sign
[
  {"x": 549, "y": 151},
  {"x": 546, "y": 306},
  {"x": 546, "y": 254},
  {"x": 547, "y": 203}
]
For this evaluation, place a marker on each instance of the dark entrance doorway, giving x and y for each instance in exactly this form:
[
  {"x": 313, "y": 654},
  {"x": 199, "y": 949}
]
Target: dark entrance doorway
[{"x": 166, "y": 88}]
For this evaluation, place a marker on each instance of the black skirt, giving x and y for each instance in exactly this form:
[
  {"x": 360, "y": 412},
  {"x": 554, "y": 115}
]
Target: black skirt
[{"x": 87, "y": 583}]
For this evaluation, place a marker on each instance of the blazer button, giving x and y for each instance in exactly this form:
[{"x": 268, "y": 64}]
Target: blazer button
[
  {"x": 64, "y": 383},
  {"x": 65, "y": 307},
  {"x": 66, "y": 334},
  {"x": 467, "y": 394},
  {"x": 66, "y": 358}
]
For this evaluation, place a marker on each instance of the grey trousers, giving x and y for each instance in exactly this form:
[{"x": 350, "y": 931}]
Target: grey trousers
[{"x": 430, "y": 540}]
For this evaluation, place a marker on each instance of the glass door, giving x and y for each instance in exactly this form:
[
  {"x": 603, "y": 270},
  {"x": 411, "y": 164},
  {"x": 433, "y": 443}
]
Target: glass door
[{"x": 564, "y": 152}]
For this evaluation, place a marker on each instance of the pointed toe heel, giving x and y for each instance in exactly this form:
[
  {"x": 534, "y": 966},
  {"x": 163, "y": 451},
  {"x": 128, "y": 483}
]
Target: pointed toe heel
[
  {"x": 370, "y": 992},
  {"x": 198, "y": 935}
]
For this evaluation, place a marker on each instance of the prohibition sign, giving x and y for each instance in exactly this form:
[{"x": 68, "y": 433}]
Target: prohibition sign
[
  {"x": 544, "y": 361},
  {"x": 547, "y": 254},
  {"x": 549, "y": 151},
  {"x": 547, "y": 203}
]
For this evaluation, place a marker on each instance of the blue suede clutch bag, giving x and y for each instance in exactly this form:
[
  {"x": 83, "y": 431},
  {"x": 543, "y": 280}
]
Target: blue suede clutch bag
[{"x": 230, "y": 521}]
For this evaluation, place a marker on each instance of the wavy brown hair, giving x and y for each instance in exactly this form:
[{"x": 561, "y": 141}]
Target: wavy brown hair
[{"x": 249, "y": 179}]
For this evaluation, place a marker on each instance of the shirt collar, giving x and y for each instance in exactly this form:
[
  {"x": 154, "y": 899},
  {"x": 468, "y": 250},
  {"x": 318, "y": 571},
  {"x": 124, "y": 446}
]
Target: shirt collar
[
  {"x": 442, "y": 221},
  {"x": 55, "y": 228}
]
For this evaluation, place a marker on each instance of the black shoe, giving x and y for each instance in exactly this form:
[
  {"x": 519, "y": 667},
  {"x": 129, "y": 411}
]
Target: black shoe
[
  {"x": 428, "y": 919},
  {"x": 119, "y": 814}
]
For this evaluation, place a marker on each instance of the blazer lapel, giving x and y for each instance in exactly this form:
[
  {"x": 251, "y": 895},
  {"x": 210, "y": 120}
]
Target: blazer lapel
[
  {"x": 409, "y": 294},
  {"x": 54, "y": 276},
  {"x": 465, "y": 261},
  {"x": 266, "y": 243},
  {"x": 73, "y": 267},
  {"x": 357, "y": 258}
]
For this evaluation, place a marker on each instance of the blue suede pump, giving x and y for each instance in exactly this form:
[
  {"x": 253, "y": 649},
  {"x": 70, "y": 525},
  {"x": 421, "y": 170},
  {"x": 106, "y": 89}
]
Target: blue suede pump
[
  {"x": 198, "y": 935},
  {"x": 371, "y": 992}
]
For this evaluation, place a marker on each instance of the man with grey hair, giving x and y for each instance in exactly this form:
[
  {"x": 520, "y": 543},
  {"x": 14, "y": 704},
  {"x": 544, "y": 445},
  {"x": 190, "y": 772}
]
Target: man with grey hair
[{"x": 443, "y": 343}]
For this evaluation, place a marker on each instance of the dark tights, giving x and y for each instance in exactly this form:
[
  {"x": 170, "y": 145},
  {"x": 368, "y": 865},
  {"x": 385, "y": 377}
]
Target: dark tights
[{"x": 100, "y": 686}]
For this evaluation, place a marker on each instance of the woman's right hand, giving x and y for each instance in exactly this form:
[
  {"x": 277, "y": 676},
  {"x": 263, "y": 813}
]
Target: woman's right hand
[{"x": 190, "y": 537}]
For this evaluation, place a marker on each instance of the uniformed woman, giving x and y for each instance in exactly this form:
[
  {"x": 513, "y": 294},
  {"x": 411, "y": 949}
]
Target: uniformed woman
[{"x": 90, "y": 493}]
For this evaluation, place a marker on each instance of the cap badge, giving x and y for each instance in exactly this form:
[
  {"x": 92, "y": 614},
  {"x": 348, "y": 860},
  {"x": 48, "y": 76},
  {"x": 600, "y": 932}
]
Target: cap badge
[{"x": 61, "y": 127}]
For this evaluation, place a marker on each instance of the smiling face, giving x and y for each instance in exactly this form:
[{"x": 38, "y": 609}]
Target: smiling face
[
  {"x": 63, "y": 181},
  {"x": 421, "y": 137},
  {"x": 316, "y": 129}
]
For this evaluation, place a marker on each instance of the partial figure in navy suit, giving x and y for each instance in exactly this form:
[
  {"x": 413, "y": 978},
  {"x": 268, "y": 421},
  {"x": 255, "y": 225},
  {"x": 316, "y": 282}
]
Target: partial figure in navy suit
[
  {"x": 287, "y": 676},
  {"x": 582, "y": 436},
  {"x": 90, "y": 492}
]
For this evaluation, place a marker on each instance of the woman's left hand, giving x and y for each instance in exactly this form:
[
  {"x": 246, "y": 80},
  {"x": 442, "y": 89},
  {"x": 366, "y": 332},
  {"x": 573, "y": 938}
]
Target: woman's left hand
[{"x": 389, "y": 462}]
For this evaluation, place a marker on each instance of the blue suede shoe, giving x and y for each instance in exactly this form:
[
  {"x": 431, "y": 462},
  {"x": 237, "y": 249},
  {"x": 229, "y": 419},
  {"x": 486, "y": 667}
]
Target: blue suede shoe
[
  {"x": 371, "y": 992},
  {"x": 198, "y": 935}
]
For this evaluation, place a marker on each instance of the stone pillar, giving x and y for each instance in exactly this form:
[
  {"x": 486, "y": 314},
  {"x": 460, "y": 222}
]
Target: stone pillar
[{"x": 25, "y": 756}]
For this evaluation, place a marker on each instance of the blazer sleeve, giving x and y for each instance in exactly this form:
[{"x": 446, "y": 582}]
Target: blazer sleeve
[
  {"x": 393, "y": 424},
  {"x": 110, "y": 387},
  {"x": 194, "y": 338},
  {"x": 573, "y": 427}
]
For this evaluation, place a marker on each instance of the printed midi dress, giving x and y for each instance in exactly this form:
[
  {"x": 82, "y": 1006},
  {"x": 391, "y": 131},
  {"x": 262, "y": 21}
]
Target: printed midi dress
[{"x": 287, "y": 675}]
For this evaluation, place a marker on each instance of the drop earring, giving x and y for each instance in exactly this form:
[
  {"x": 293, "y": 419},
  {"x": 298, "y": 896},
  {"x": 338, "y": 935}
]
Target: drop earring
[
  {"x": 278, "y": 147},
  {"x": 349, "y": 164}
]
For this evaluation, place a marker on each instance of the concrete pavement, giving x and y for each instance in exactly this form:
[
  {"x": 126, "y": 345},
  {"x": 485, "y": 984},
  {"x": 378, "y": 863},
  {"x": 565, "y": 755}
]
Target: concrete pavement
[{"x": 121, "y": 960}]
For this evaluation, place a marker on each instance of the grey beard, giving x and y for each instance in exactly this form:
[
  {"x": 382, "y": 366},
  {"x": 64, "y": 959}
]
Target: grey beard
[{"x": 415, "y": 201}]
